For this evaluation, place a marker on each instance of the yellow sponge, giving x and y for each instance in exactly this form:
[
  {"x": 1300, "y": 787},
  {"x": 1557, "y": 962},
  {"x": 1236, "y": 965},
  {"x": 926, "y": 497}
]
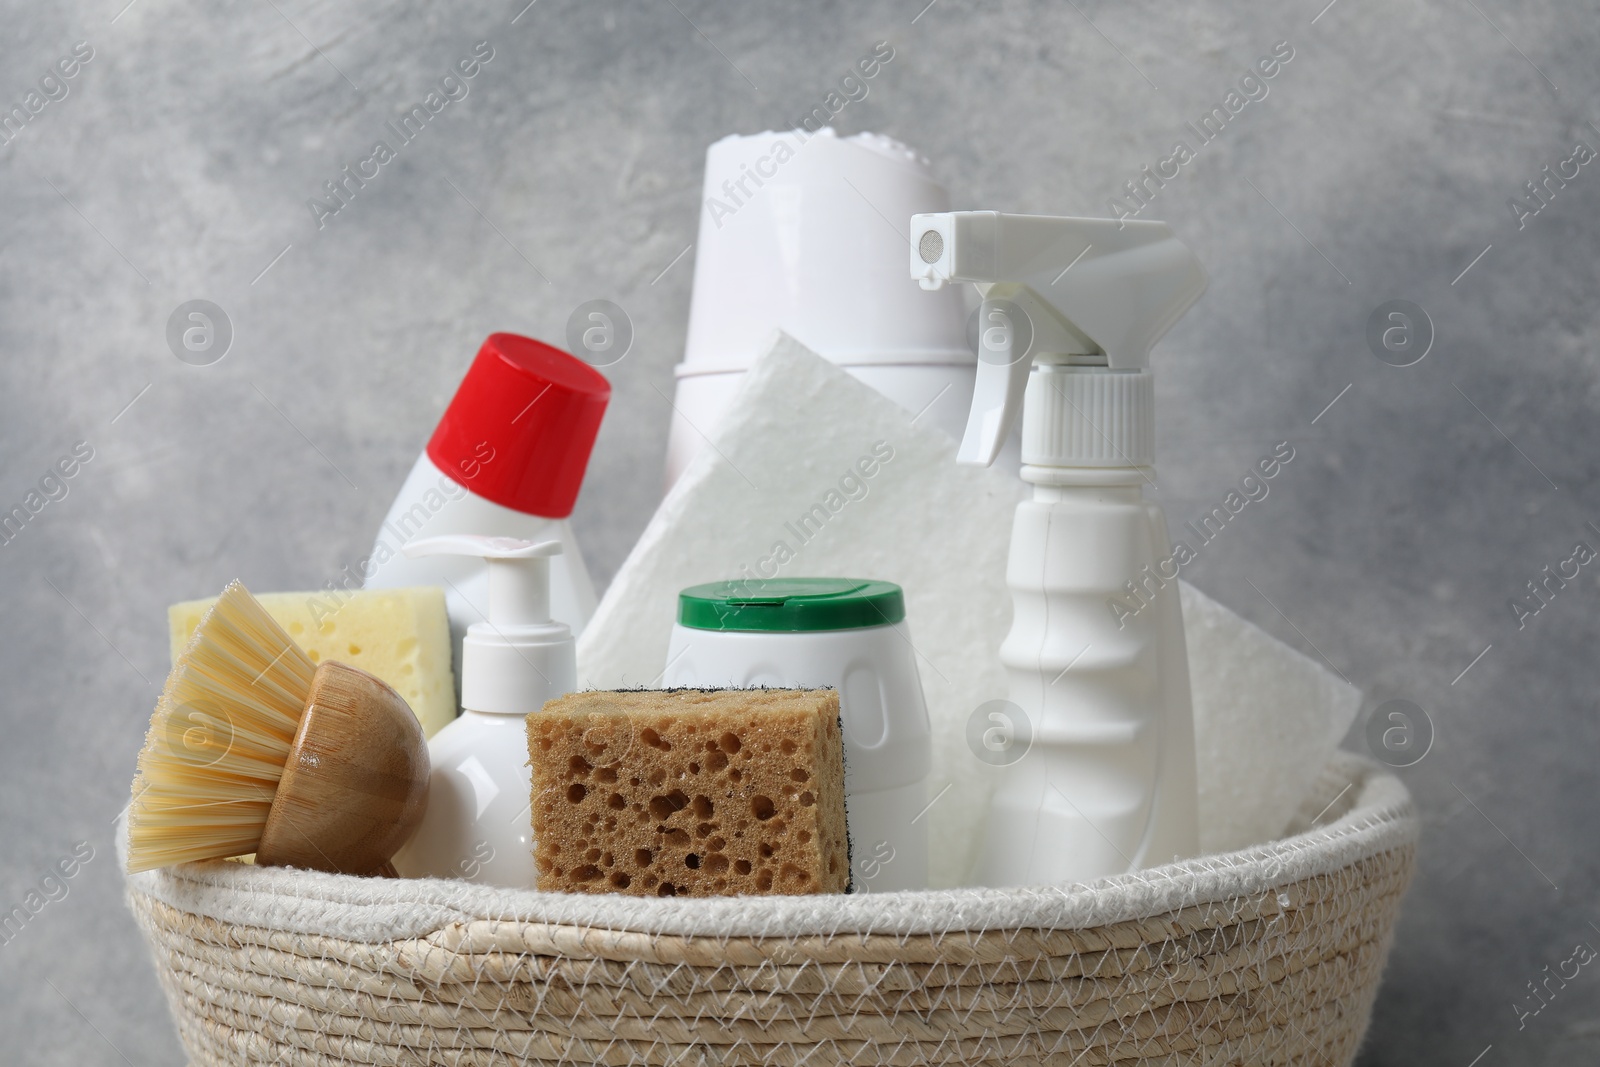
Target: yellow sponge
[{"x": 400, "y": 635}]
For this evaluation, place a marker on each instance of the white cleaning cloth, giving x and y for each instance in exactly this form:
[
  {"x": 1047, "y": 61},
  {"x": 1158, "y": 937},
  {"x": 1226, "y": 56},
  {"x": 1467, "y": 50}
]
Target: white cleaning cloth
[{"x": 1266, "y": 718}]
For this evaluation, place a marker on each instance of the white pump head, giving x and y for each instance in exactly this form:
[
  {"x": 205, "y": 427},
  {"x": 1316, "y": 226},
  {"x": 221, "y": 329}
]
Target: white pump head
[
  {"x": 517, "y": 658},
  {"x": 1072, "y": 295}
]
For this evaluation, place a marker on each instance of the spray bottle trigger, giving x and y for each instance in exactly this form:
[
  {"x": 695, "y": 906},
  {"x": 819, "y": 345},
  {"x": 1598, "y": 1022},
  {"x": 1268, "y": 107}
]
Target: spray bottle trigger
[{"x": 1004, "y": 361}]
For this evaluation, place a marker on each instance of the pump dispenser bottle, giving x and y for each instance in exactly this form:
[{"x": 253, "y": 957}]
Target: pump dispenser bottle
[
  {"x": 477, "y": 825},
  {"x": 1071, "y": 308}
]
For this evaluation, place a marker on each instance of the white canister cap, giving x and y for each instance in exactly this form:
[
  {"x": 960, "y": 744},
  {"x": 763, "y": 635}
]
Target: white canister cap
[{"x": 806, "y": 233}]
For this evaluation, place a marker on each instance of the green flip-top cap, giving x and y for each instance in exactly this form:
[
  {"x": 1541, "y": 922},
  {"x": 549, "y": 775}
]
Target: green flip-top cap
[{"x": 791, "y": 605}]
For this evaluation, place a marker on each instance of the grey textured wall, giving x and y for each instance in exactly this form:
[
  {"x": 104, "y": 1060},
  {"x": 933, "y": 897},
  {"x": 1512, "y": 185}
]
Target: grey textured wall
[{"x": 179, "y": 164}]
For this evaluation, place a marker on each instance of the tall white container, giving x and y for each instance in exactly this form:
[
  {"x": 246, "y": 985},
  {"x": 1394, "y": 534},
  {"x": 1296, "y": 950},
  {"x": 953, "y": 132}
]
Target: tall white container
[
  {"x": 1104, "y": 782},
  {"x": 838, "y": 633},
  {"x": 805, "y": 233}
]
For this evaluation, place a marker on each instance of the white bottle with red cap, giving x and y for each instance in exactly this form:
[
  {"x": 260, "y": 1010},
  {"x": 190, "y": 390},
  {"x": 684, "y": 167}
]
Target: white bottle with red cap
[{"x": 506, "y": 460}]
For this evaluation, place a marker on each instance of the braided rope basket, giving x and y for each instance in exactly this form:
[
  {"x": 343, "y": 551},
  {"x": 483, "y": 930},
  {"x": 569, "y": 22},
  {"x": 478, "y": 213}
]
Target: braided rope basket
[{"x": 1270, "y": 955}]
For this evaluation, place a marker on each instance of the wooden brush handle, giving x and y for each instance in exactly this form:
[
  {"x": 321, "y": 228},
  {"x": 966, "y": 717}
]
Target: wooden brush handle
[{"x": 356, "y": 781}]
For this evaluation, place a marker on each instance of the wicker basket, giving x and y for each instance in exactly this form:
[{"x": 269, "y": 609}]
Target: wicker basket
[{"x": 1265, "y": 956}]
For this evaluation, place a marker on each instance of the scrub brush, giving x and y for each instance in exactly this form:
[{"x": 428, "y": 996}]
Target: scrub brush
[{"x": 255, "y": 748}]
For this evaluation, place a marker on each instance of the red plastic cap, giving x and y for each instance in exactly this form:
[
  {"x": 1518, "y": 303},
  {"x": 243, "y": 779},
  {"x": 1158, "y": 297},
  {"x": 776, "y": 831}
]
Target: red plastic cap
[{"x": 520, "y": 427}]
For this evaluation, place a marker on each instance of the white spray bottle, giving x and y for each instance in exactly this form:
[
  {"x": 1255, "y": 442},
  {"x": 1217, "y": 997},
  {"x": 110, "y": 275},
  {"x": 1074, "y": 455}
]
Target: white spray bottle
[
  {"x": 478, "y": 825},
  {"x": 1071, "y": 308}
]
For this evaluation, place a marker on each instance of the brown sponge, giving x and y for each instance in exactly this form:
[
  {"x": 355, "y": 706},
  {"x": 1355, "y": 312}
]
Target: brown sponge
[{"x": 690, "y": 792}]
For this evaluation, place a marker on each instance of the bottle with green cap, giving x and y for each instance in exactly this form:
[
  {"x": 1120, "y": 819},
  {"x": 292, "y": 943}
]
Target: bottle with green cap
[{"x": 847, "y": 634}]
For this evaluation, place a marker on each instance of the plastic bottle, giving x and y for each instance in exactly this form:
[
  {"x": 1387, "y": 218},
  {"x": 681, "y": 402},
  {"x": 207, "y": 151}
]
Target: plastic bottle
[
  {"x": 506, "y": 460},
  {"x": 841, "y": 633},
  {"x": 798, "y": 233},
  {"x": 1071, "y": 310},
  {"x": 478, "y": 826}
]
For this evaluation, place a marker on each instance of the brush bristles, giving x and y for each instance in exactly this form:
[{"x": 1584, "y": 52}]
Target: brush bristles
[{"x": 219, "y": 738}]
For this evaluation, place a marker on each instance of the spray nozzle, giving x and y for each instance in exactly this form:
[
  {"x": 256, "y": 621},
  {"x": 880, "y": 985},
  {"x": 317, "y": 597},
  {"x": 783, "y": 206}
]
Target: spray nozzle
[
  {"x": 519, "y": 574},
  {"x": 1056, "y": 290}
]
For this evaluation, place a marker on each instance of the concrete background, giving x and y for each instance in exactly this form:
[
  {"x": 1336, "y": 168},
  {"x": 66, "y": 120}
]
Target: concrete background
[{"x": 179, "y": 164}]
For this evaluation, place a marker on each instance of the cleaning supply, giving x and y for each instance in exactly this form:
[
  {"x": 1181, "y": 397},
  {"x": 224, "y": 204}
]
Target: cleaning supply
[
  {"x": 506, "y": 460},
  {"x": 400, "y": 636},
  {"x": 690, "y": 792},
  {"x": 845, "y": 634},
  {"x": 1267, "y": 719},
  {"x": 254, "y": 748},
  {"x": 803, "y": 232},
  {"x": 1071, "y": 308},
  {"x": 477, "y": 825}
]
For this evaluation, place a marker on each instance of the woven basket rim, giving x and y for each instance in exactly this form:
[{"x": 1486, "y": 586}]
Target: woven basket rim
[{"x": 1372, "y": 811}]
